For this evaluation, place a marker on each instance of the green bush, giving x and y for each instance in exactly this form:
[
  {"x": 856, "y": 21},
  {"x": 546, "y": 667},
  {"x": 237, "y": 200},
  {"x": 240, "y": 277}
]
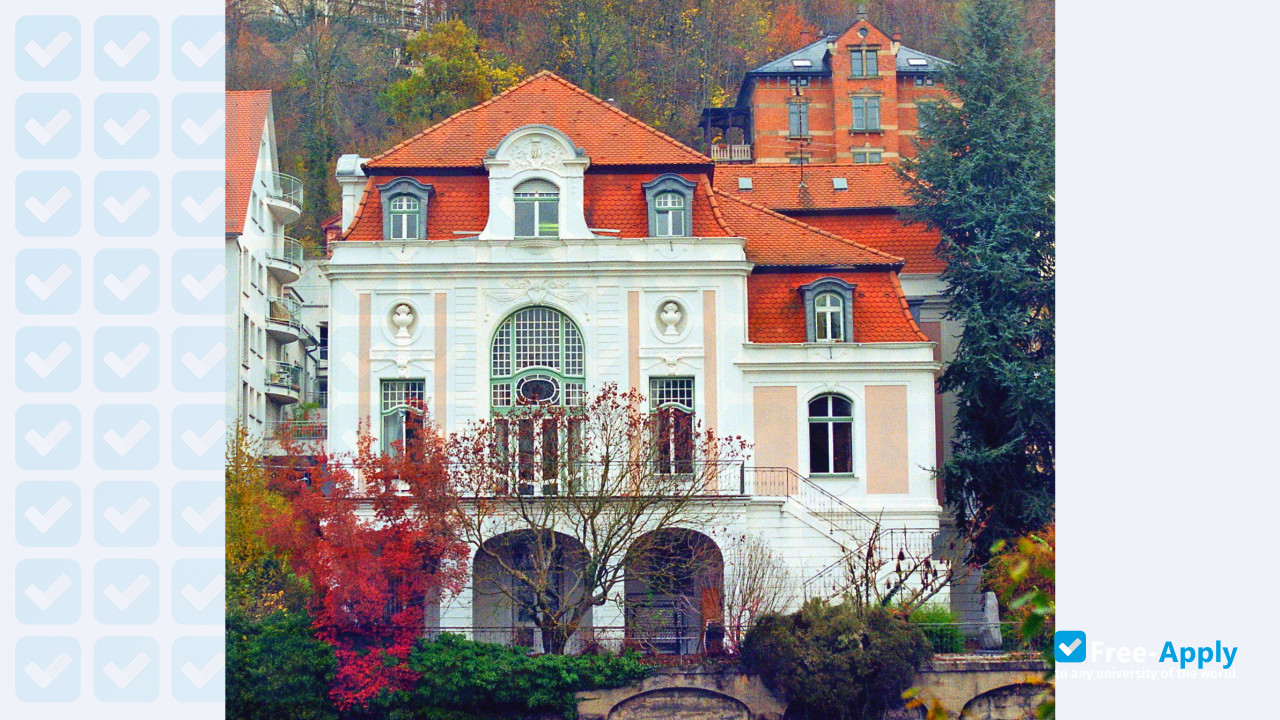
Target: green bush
[
  {"x": 938, "y": 625},
  {"x": 465, "y": 680},
  {"x": 276, "y": 668},
  {"x": 836, "y": 662}
]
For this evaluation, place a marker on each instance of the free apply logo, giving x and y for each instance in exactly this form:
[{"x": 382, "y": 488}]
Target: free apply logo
[{"x": 1071, "y": 646}]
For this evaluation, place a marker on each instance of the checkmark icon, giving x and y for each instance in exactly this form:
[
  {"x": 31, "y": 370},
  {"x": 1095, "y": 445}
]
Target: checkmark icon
[
  {"x": 200, "y": 366},
  {"x": 201, "y": 210},
  {"x": 123, "y": 444},
  {"x": 199, "y": 289},
  {"x": 200, "y": 521},
  {"x": 43, "y": 134},
  {"x": 44, "y": 288},
  {"x": 123, "y": 599},
  {"x": 46, "y": 210},
  {"x": 124, "y": 366},
  {"x": 123, "y": 676},
  {"x": 205, "y": 130},
  {"x": 44, "y": 676},
  {"x": 199, "y": 444},
  {"x": 200, "y": 599},
  {"x": 44, "y": 521},
  {"x": 47, "y": 54},
  {"x": 44, "y": 444},
  {"x": 123, "y": 521},
  {"x": 201, "y": 55},
  {"x": 124, "y": 133},
  {"x": 1069, "y": 646},
  {"x": 44, "y": 366},
  {"x": 200, "y": 676},
  {"x": 123, "y": 55},
  {"x": 44, "y": 598},
  {"x": 1068, "y": 649},
  {"x": 124, "y": 211},
  {"x": 124, "y": 289}
]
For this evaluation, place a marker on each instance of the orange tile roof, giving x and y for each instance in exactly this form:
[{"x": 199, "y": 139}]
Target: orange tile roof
[
  {"x": 778, "y": 186},
  {"x": 775, "y": 313},
  {"x": 246, "y": 115},
  {"x": 774, "y": 239},
  {"x": 609, "y": 135},
  {"x": 887, "y": 231},
  {"x": 613, "y": 200}
]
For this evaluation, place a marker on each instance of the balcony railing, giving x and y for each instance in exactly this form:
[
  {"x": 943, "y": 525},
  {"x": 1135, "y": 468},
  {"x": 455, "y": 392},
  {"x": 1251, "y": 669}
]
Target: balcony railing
[
  {"x": 285, "y": 187},
  {"x": 287, "y": 250},
  {"x": 285, "y": 311},
  {"x": 284, "y": 374},
  {"x": 299, "y": 429},
  {"x": 731, "y": 153}
]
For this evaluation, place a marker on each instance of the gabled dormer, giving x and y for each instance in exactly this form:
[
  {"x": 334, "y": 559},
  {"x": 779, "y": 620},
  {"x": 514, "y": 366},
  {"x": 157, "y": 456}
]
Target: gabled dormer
[{"x": 536, "y": 186}]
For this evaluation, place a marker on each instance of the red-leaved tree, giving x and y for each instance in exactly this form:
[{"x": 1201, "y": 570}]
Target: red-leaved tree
[{"x": 373, "y": 534}]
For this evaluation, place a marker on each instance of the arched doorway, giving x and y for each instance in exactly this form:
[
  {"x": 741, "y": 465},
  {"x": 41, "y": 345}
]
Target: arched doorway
[
  {"x": 674, "y": 589},
  {"x": 520, "y": 581}
]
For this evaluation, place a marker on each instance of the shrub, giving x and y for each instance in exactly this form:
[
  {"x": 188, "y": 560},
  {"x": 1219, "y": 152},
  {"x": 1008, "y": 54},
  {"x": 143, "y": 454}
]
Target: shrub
[
  {"x": 276, "y": 668},
  {"x": 836, "y": 662},
  {"x": 938, "y": 625},
  {"x": 465, "y": 680}
]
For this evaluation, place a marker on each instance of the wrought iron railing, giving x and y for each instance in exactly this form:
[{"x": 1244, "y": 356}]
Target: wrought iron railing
[{"x": 299, "y": 429}]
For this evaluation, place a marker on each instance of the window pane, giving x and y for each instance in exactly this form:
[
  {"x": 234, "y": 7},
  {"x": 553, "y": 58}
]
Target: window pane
[
  {"x": 524, "y": 219},
  {"x": 860, "y": 157},
  {"x": 842, "y": 442},
  {"x": 818, "y": 407},
  {"x": 873, "y": 113},
  {"x": 874, "y": 157},
  {"x": 818, "y": 448},
  {"x": 873, "y": 62},
  {"x": 677, "y": 223},
  {"x": 859, "y": 113},
  {"x": 841, "y": 407},
  {"x": 855, "y": 59},
  {"x": 548, "y": 218}
]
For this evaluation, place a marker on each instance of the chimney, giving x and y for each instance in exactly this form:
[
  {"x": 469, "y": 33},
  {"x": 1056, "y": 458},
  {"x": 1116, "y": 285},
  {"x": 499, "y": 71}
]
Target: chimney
[
  {"x": 862, "y": 12},
  {"x": 351, "y": 179},
  {"x": 806, "y": 38},
  {"x": 897, "y": 42}
]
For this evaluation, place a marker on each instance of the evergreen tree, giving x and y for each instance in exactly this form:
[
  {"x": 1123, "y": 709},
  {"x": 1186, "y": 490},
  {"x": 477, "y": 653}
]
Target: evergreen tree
[{"x": 984, "y": 177}]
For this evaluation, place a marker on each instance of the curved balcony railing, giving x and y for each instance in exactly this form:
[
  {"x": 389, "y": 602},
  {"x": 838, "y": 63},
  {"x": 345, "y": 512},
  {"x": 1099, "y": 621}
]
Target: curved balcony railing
[
  {"x": 286, "y": 188},
  {"x": 284, "y": 318},
  {"x": 284, "y": 259}
]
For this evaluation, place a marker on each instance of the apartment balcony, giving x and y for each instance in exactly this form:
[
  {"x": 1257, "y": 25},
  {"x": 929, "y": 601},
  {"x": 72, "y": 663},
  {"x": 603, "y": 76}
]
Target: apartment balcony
[
  {"x": 284, "y": 319},
  {"x": 284, "y": 260},
  {"x": 298, "y": 429},
  {"x": 284, "y": 382},
  {"x": 284, "y": 197},
  {"x": 731, "y": 153}
]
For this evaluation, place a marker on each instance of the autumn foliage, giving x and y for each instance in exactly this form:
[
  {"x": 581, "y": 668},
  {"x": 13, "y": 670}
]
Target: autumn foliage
[{"x": 371, "y": 534}]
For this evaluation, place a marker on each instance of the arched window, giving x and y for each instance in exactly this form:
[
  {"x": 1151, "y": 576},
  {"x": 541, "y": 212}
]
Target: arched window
[
  {"x": 537, "y": 209},
  {"x": 669, "y": 215},
  {"x": 404, "y": 217},
  {"x": 537, "y": 357},
  {"x": 828, "y": 310},
  {"x": 830, "y": 435}
]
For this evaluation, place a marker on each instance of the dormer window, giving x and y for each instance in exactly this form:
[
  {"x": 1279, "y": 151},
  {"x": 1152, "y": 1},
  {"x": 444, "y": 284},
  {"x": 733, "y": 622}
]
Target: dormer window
[
  {"x": 828, "y": 310},
  {"x": 404, "y": 209},
  {"x": 404, "y": 217},
  {"x": 537, "y": 204},
  {"x": 670, "y": 199},
  {"x": 669, "y": 215}
]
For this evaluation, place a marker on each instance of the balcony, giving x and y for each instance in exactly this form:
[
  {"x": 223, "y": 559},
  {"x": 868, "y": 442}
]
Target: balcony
[
  {"x": 731, "y": 153},
  {"x": 284, "y": 197},
  {"x": 284, "y": 260},
  {"x": 283, "y": 319},
  {"x": 284, "y": 382},
  {"x": 298, "y": 429}
]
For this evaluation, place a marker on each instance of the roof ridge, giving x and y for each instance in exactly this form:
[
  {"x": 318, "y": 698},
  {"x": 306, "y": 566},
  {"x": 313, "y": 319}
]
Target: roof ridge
[
  {"x": 625, "y": 115},
  {"x": 355, "y": 218},
  {"x": 703, "y": 159},
  {"x": 822, "y": 40},
  {"x": 710, "y": 192},
  {"x": 906, "y": 307},
  {"x": 893, "y": 259}
]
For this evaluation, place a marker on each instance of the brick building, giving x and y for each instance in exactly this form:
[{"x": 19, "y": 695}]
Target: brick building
[{"x": 847, "y": 98}]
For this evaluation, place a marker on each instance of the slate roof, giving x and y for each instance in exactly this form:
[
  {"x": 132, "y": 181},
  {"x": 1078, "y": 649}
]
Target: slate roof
[
  {"x": 933, "y": 63},
  {"x": 246, "y": 119}
]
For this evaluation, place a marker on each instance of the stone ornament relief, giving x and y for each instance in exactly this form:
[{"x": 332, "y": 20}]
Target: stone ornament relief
[
  {"x": 536, "y": 291},
  {"x": 536, "y": 153}
]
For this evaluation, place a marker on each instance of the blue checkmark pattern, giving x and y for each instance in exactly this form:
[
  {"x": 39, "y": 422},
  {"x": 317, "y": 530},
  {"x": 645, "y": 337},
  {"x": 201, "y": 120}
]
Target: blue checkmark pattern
[{"x": 118, "y": 359}]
